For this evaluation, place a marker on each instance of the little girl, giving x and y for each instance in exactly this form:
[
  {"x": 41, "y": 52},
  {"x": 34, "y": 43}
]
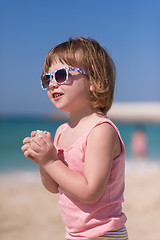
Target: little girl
[{"x": 86, "y": 162}]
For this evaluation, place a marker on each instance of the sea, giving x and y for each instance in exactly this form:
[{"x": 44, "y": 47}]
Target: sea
[{"x": 14, "y": 130}]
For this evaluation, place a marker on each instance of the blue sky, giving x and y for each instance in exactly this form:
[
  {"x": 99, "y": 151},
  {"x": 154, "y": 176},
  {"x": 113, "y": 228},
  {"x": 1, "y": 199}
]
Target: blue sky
[{"x": 130, "y": 30}]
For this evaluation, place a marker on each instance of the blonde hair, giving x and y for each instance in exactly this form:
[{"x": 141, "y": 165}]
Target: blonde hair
[{"x": 89, "y": 55}]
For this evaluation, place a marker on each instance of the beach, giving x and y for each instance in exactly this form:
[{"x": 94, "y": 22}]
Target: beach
[{"x": 28, "y": 211}]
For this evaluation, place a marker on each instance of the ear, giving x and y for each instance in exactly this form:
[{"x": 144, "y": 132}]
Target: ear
[{"x": 91, "y": 88}]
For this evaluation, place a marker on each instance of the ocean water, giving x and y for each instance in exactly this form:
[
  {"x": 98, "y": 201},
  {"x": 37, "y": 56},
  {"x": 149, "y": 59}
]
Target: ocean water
[{"x": 13, "y": 131}]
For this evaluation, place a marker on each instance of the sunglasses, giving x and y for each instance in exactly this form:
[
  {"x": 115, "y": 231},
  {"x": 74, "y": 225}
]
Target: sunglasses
[{"x": 60, "y": 76}]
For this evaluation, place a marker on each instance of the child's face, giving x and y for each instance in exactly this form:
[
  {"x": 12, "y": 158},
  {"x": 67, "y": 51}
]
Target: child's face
[{"x": 73, "y": 95}]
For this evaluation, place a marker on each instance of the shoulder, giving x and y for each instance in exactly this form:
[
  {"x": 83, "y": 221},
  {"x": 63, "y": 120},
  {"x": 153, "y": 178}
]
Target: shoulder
[
  {"x": 61, "y": 127},
  {"x": 103, "y": 130},
  {"x": 104, "y": 136},
  {"x": 59, "y": 131}
]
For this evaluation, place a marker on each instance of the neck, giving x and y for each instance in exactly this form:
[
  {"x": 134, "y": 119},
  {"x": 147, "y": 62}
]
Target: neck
[{"x": 82, "y": 116}]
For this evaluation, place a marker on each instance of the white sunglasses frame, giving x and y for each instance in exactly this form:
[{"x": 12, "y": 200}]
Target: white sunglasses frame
[{"x": 67, "y": 74}]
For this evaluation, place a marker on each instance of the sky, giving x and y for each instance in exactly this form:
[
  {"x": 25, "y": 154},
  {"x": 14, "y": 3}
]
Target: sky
[{"x": 129, "y": 30}]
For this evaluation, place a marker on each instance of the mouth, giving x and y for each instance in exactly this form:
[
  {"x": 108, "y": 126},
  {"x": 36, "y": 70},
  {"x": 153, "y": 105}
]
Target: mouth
[{"x": 56, "y": 96}]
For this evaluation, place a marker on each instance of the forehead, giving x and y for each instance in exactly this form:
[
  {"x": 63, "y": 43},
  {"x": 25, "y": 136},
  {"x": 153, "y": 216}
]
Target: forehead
[{"x": 56, "y": 64}]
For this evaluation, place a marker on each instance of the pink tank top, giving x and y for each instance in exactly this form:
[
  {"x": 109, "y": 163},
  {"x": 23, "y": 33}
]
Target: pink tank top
[{"x": 86, "y": 221}]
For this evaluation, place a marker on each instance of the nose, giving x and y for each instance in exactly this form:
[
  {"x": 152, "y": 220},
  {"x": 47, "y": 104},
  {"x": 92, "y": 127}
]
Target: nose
[{"x": 53, "y": 84}]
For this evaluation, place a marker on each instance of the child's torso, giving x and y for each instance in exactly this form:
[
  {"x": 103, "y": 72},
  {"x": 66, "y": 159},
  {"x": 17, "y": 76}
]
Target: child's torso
[
  {"x": 77, "y": 215},
  {"x": 70, "y": 135}
]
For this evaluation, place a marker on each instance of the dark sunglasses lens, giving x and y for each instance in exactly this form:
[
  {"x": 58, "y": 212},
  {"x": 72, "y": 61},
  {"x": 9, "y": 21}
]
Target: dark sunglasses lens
[
  {"x": 45, "y": 81},
  {"x": 60, "y": 76}
]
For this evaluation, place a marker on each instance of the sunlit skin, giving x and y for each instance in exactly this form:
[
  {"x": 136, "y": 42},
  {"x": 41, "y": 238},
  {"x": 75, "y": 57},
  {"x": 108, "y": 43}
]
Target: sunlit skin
[
  {"x": 74, "y": 98},
  {"x": 74, "y": 93}
]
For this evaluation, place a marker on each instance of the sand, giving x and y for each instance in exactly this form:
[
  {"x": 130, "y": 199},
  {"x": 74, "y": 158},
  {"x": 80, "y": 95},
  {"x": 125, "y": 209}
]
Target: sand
[{"x": 29, "y": 212}]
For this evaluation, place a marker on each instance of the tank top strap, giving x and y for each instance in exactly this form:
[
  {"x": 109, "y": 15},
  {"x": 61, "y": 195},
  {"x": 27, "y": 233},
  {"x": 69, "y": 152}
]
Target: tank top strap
[
  {"x": 59, "y": 132},
  {"x": 104, "y": 119}
]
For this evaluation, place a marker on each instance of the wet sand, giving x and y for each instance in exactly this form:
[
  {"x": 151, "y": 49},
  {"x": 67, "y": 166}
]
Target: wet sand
[{"x": 28, "y": 211}]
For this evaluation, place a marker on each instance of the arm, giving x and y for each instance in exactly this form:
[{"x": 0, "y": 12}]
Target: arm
[
  {"x": 103, "y": 146},
  {"x": 48, "y": 181}
]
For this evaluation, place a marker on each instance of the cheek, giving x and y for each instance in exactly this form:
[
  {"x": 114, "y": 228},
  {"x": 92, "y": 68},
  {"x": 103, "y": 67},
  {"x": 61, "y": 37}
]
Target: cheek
[
  {"x": 49, "y": 96},
  {"x": 81, "y": 91}
]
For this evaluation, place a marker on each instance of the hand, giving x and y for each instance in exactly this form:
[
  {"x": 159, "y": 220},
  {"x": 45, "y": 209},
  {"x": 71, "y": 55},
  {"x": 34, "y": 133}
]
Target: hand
[
  {"x": 25, "y": 149},
  {"x": 41, "y": 148}
]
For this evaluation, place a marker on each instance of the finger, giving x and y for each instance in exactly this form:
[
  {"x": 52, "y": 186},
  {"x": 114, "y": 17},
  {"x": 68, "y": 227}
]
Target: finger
[
  {"x": 26, "y": 140},
  {"x": 39, "y": 140},
  {"x": 31, "y": 154},
  {"x": 35, "y": 146},
  {"x": 25, "y": 147},
  {"x": 32, "y": 159},
  {"x": 48, "y": 138},
  {"x": 33, "y": 133},
  {"x": 26, "y": 154}
]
